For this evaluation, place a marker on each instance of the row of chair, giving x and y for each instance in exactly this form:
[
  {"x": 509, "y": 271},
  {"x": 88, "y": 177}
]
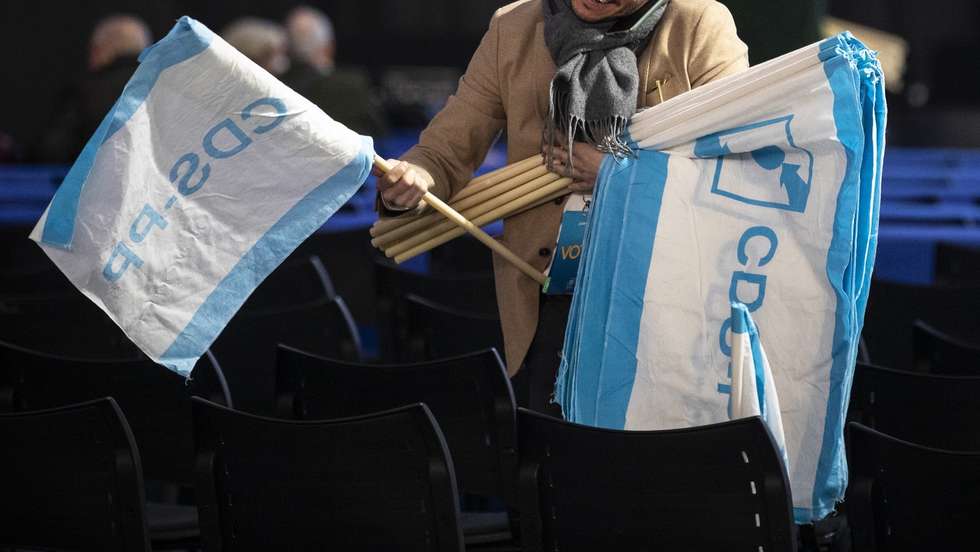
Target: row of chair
[
  {"x": 895, "y": 311},
  {"x": 914, "y": 459},
  {"x": 257, "y": 474}
]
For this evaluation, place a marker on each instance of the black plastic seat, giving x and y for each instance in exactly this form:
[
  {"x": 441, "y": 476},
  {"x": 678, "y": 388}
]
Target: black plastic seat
[
  {"x": 247, "y": 346},
  {"x": 71, "y": 480},
  {"x": 931, "y": 410},
  {"x": 297, "y": 281},
  {"x": 940, "y": 353},
  {"x": 440, "y": 331},
  {"x": 957, "y": 265},
  {"x": 907, "y": 497},
  {"x": 155, "y": 400},
  {"x": 469, "y": 395},
  {"x": 717, "y": 487},
  {"x": 472, "y": 292},
  {"x": 893, "y": 308},
  {"x": 378, "y": 482},
  {"x": 69, "y": 325}
]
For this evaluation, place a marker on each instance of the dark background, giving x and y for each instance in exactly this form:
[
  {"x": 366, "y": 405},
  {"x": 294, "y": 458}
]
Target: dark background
[{"x": 43, "y": 45}]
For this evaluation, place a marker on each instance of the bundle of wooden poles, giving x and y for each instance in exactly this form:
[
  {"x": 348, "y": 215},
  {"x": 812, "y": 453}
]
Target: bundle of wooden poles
[{"x": 485, "y": 199}]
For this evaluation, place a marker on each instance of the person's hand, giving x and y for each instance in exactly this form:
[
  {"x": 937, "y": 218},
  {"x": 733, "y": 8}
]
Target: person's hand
[
  {"x": 403, "y": 186},
  {"x": 584, "y": 166}
]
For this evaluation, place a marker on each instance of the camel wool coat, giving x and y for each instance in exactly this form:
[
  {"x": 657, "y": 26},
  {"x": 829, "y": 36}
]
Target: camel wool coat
[{"x": 506, "y": 87}]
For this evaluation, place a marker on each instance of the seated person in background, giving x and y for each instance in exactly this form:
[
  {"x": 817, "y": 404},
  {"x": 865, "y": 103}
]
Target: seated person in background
[
  {"x": 261, "y": 40},
  {"x": 114, "y": 47},
  {"x": 344, "y": 94}
]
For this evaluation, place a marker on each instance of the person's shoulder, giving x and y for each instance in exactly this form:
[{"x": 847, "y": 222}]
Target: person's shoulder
[
  {"x": 520, "y": 13},
  {"x": 692, "y": 12}
]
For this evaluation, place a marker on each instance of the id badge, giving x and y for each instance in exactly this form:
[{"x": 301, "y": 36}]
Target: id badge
[{"x": 568, "y": 251}]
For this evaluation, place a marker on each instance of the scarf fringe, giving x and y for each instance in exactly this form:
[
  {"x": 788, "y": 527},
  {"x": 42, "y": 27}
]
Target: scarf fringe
[{"x": 606, "y": 134}]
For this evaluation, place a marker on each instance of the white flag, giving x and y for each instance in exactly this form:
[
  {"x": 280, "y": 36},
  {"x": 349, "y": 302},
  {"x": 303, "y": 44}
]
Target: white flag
[{"x": 203, "y": 177}]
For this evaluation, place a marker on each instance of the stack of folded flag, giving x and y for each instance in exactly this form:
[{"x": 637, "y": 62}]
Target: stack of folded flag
[{"x": 740, "y": 237}]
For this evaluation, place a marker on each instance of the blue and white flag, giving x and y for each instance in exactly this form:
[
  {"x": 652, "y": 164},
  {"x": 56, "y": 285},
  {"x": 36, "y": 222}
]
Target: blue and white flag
[
  {"x": 762, "y": 190},
  {"x": 206, "y": 173},
  {"x": 753, "y": 388}
]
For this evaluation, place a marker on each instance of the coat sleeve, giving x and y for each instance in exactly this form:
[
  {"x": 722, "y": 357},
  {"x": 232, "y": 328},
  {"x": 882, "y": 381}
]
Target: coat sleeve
[
  {"x": 457, "y": 140},
  {"x": 716, "y": 49}
]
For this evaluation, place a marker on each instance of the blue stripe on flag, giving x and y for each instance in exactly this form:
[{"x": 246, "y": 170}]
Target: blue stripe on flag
[
  {"x": 760, "y": 369},
  {"x": 617, "y": 369},
  {"x": 187, "y": 39},
  {"x": 267, "y": 253},
  {"x": 831, "y": 477},
  {"x": 602, "y": 241}
]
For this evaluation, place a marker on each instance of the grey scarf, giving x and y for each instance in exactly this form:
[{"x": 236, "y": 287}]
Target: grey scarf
[{"x": 593, "y": 94}]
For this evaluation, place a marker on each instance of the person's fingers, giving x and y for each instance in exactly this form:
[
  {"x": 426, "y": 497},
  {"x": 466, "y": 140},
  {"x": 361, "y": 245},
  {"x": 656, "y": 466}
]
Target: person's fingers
[
  {"x": 393, "y": 176},
  {"x": 402, "y": 200},
  {"x": 580, "y": 186}
]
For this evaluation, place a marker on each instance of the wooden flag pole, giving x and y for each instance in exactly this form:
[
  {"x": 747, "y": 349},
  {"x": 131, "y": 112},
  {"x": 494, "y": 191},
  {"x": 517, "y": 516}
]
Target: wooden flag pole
[{"x": 474, "y": 230}]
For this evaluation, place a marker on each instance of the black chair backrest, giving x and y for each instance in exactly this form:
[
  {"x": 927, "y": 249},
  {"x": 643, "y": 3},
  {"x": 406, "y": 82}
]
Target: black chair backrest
[
  {"x": 463, "y": 255},
  {"x": 940, "y": 353},
  {"x": 295, "y": 282},
  {"x": 717, "y": 487},
  {"x": 155, "y": 400},
  {"x": 470, "y": 396},
  {"x": 904, "y": 496},
  {"x": 440, "y": 331},
  {"x": 928, "y": 409},
  {"x": 70, "y": 478},
  {"x": 893, "y": 308},
  {"x": 957, "y": 265},
  {"x": 64, "y": 325},
  {"x": 468, "y": 292},
  {"x": 377, "y": 482},
  {"x": 247, "y": 346}
]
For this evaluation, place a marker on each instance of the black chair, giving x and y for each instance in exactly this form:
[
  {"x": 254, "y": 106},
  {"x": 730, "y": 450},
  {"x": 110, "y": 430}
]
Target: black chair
[
  {"x": 469, "y": 395},
  {"x": 893, "y": 308},
  {"x": 931, "y": 410},
  {"x": 25, "y": 270},
  {"x": 295, "y": 282},
  {"x": 71, "y": 480},
  {"x": 377, "y": 482},
  {"x": 904, "y": 496},
  {"x": 68, "y": 325},
  {"x": 440, "y": 331},
  {"x": 247, "y": 346},
  {"x": 468, "y": 292},
  {"x": 155, "y": 400},
  {"x": 463, "y": 255},
  {"x": 717, "y": 487},
  {"x": 957, "y": 265},
  {"x": 940, "y": 353}
]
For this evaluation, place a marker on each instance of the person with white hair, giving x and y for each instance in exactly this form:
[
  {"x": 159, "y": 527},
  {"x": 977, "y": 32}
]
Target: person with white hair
[
  {"x": 311, "y": 38},
  {"x": 117, "y": 37},
  {"x": 113, "y": 49},
  {"x": 344, "y": 93},
  {"x": 262, "y": 41}
]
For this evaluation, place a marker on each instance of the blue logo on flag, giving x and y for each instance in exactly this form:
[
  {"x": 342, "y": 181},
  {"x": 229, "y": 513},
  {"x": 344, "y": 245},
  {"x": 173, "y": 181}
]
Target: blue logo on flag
[{"x": 779, "y": 174}]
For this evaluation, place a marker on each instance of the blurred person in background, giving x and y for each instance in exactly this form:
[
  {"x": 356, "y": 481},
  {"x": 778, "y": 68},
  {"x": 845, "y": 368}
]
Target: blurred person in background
[
  {"x": 113, "y": 50},
  {"x": 261, "y": 40},
  {"x": 345, "y": 94}
]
